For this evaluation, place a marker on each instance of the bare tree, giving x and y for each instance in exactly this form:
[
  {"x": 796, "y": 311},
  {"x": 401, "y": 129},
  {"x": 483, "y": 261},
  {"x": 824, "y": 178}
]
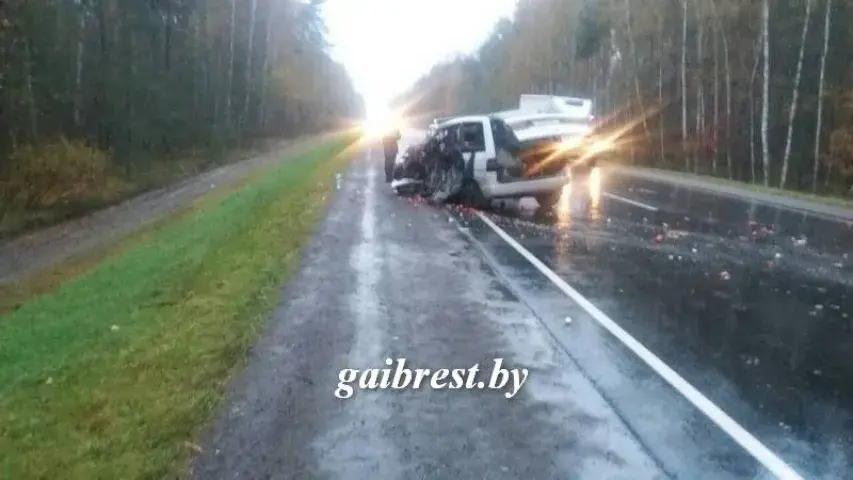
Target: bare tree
[
  {"x": 827, "y": 24},
  {"x": 684, "y": 87},
  {"x": 250, "y": 53},
  {"x": 759, "y": 44},
  {"x": 765, "y": 95},
  {"x": 230, "y": 85},
  {"x": 795, "y": 95}
]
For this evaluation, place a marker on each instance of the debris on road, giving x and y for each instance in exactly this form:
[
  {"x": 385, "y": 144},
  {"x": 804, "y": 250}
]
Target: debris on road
[
  {"x": 758, "y": 231},
  {"x": 676, "y": 234},
  {"x": 725, "y": 275}
]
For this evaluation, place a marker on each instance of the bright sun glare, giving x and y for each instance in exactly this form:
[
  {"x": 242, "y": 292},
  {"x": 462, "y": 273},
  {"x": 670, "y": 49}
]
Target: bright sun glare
[{"x": 380, "y": 119}]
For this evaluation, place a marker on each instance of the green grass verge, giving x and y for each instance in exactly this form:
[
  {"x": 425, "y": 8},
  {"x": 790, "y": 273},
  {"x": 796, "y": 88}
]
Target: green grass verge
[
  {"x": 111, "y": 375},
  {"x": 45, "y": 280}
]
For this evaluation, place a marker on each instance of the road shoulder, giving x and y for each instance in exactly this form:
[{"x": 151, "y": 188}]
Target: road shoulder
[{"x": 831, "y": 212}]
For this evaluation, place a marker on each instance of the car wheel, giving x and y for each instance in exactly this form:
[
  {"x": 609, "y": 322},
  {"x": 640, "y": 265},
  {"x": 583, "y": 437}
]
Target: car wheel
[{"x": 548, "y": 200}]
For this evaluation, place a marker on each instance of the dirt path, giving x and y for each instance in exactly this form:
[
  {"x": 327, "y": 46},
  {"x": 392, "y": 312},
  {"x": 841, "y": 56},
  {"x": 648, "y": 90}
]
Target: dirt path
[{"x": 32, "y": 252}]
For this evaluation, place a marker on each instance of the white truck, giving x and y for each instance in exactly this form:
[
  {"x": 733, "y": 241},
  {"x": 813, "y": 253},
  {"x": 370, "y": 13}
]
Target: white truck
[
  {"x": 532, "y": 151},
  {"x": 579, "y": 108}
]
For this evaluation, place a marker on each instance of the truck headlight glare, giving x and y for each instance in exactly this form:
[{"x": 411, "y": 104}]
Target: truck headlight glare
[
  {"x": 567, "y": 143},
  {"x": 600, "y": 146}
]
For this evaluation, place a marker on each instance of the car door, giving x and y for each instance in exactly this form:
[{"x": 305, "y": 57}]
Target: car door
[{"x": 477, "y": 148}]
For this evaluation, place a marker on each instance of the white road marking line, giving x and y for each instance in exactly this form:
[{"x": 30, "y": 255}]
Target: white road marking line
[
  {"x": 630, "y": 202},
  {"x": 764, "y": 455}
]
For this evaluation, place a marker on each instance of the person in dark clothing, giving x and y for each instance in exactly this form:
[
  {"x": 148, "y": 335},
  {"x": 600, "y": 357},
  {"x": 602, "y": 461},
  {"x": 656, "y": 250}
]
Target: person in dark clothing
[{"x": 389, "y": 144}]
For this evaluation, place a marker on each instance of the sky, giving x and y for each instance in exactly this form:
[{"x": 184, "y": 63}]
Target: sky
[{"x": 386, "y": 45}]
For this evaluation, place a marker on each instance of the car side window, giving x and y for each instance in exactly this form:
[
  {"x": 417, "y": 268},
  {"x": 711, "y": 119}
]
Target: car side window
[
  {"x": 473, "y": 135},
  {"x": 504, "y": 136}
]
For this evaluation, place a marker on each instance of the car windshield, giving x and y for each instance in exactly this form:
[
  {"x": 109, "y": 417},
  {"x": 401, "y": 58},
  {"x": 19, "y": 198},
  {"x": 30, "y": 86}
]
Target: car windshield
[{"x": 504, "y": 136}]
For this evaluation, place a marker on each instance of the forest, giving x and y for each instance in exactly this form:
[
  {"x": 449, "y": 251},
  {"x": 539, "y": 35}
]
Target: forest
[
  {"x": 759, "y": 91},
  {"x": 99, "y": 98}
]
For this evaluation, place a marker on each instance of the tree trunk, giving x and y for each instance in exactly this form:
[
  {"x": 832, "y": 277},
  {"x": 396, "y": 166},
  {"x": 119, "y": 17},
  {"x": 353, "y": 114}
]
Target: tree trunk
[
  {"x": 728, "y": 79},
  {"x": 662, "y": 120},
  {"x": 758, "y": 44},
  {"x": 700, "y": 97},
  {"x": 78, "y": 72},
  {"x": 229, "y": 86},
  {"x": 31, "y": 97},
  {"x": 684, "y": 88},
  {"x": 827, "y": 23},
  {"x": 728, "y": 129},
  {"x": 636, "y": 63},
  {"x": 249, "y": 57},
  {"x": 716, "y": 122},
  {"x": 167, "y": 47},
  {"x": 765, "y": 95},
  {"x": 265, "y": 68},
  {"x": 795, "y": 95}
]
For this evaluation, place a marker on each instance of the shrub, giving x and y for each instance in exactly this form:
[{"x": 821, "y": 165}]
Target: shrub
[{"x": 58, "y": 173}]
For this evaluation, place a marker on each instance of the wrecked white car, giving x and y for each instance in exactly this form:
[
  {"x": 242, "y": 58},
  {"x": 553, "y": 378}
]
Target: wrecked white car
[{"x": 475, "y": 159}]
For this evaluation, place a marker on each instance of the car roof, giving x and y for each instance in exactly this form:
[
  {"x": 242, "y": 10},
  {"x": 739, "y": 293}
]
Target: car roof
[{"x": 463, "y": 119}]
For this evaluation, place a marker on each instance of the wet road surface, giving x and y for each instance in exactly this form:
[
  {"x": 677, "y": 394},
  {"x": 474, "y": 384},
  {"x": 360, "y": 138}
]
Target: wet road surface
[
  {"x": 753, "y": 305},
  {"x": 749, "y": 305},
  {"x": 387, "y": 278}
]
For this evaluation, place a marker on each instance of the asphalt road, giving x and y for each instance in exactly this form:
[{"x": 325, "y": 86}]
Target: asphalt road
[
  {"x": 748, "y": 305},
  {"x": 387, "y": 278}
]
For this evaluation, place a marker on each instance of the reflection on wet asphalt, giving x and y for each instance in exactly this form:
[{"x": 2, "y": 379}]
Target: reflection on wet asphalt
[{"x": 720, "y": 289}]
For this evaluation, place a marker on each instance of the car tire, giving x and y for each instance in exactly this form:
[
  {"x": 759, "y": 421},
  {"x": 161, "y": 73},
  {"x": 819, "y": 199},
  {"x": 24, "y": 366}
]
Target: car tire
[{"x": 548, "y": 200}]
